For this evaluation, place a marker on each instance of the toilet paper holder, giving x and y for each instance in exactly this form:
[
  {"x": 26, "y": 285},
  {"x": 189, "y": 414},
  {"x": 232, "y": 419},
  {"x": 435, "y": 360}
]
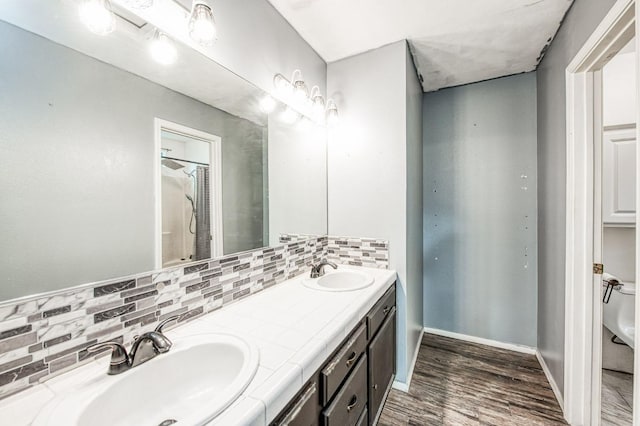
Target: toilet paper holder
[{"x": 612, "y": 284}]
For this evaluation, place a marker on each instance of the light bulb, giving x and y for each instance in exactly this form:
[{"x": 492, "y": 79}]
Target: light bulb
[
  {"x": 332, "y": 113},
  {"x": 289, "y": 116},
  {"x": 97, "y": 16},
  {"x": 202, "y": 26},
  {"x": 162, "y": 49},
  {"x": 267, "y": 104}
]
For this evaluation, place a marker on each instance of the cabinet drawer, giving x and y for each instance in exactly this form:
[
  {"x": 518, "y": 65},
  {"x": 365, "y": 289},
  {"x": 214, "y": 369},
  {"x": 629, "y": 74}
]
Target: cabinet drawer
[
  {"x": 303, "y": 411},
  {"x": 379, "y": 312},
  {"x": 339, "y": 366},
  {"x": 351, "y": 400}
]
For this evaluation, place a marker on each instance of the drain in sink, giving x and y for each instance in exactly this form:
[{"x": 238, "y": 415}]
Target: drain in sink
[{"x": 168, "y": 422}]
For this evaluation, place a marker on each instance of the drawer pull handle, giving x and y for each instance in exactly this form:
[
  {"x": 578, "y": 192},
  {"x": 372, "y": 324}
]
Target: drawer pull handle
[
  {"x": 386, "y": 310},
  {"x": 351, "y": 359},
  {"x": 375, "y": 387},
  {"x": 352, "y": 403}
]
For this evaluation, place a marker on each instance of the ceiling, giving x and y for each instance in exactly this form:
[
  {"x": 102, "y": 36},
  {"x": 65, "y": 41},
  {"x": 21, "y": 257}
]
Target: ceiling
[{"x": 453, "y": 42}]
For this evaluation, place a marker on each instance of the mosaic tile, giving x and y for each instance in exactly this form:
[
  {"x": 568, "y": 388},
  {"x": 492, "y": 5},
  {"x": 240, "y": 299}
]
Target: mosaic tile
[{"x": 45, "y": 336}]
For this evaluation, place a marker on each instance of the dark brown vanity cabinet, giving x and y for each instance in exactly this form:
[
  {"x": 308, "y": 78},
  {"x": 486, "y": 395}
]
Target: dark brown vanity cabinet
[
  {"x": 382, "y": 363},
  {"x": 350, "y": 388}
]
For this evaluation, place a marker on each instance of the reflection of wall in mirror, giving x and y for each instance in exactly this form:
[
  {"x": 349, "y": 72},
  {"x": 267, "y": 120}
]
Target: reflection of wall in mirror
[
  {"x": 81, "y": 208},
  {"x": 618, "y": 109},
  {"x": 297, "y": 179}
]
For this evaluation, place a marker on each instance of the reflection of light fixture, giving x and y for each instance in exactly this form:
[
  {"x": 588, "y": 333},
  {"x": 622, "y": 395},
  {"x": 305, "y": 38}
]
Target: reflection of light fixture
[
  {"x": 97, "y": 16},
  {"x": 289, "y": 116},
  {"x": 300, "y": 90},
  {"x": 284, "y": 89},
  {"x": 267, "y": 104},
  {"x": 332, "y": 113},
  {"x": 317, "y": 104},
  {"x": 295, "y": 95},
  {"x": 162, "y": 49},
  {"x": 202, "y": 26}
]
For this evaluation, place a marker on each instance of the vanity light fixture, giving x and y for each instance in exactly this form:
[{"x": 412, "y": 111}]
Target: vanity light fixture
[
  {"x": 97, "y": 16},
  {"x": 162, "y": 49},
  {"x": 202, "y": 26},
  {"x": 332, "y": 113},
  {"x": 268, "y": 104},
  {"x": 295, "y": 94}
]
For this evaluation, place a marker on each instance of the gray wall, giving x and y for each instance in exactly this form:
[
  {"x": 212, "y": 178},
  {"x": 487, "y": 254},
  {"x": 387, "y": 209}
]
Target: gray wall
[
  {"x": 76, "y": 166},
  {"x": 415, "y": 310},
  {"x": 479, "y": 209},
  {"x": 256, "y": 42},
  {"x": 371, "y": 159},
  {"x": 583, "y": 17}
]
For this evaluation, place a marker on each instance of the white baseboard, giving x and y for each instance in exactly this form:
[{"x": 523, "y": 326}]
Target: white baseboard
[
  {"x": 402, "y": 386},
  {"x": 550, "y": 379},
  {"x": 509, "y": 346},
  {"x": 496, "y": 344}
]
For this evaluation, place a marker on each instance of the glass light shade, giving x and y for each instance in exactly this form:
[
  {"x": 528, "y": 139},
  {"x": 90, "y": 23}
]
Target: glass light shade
[
  {"x": 332, "y": 114},
  {"x": 317, "y": 108},
  {"x": 97, "y": 16},
  {"x": 300, "y": 91},
  {"x": 202, "y": 26},
  {"x": 162, "y": 49},
  {"x": 268, "y": 104}
]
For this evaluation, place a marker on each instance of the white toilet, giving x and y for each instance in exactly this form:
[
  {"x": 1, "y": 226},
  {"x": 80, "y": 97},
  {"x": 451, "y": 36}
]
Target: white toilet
[{"x": 619, "y": 313}]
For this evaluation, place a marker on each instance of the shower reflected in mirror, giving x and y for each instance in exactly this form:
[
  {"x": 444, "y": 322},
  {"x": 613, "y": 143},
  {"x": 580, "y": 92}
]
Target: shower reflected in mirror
[{"x": 187, "y": 213}]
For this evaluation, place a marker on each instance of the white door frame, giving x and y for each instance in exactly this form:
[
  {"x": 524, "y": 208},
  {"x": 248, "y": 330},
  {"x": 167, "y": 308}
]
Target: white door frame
[
  {"x": 215, "y": 177},
  {"x": 583, "y": 309}
]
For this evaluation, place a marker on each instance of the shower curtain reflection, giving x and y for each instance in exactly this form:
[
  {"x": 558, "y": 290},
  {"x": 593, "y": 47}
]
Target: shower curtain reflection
[{"x": 202, "y": 214}]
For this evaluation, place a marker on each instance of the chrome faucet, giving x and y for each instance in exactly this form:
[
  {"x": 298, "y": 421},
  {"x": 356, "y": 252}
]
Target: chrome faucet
[
  {"x": 318, "y": 269},
  {"x": 145, "y": 347}
]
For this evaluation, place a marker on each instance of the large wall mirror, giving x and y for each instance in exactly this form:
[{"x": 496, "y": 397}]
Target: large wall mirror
[{"x": 114, "y": 161}]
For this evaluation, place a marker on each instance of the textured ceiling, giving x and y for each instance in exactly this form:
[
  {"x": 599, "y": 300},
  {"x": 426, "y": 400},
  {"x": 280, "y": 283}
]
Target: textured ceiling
[{"x": 454, "y": 42}]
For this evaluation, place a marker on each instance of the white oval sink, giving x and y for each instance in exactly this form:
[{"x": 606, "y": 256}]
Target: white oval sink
[
  {"x": 340, "y": 280},
  {"x": 192, "y": 383}
]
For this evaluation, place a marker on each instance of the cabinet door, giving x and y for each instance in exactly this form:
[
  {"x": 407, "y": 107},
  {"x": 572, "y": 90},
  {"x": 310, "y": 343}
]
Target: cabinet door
[
  {"x": 619, "y": 176},
  {"x": 382, "y": 365}
]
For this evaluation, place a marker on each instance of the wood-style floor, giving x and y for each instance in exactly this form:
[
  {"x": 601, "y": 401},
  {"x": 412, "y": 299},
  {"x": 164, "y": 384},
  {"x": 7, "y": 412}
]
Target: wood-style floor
[
  {"x": 459, "y": 383},
  {"x": 617, "y": 398}
]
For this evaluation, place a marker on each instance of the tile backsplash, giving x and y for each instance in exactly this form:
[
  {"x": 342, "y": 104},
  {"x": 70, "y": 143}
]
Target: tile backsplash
[
  {"x": 369, "y": 252},
  {"x": 44, "y": 336}
]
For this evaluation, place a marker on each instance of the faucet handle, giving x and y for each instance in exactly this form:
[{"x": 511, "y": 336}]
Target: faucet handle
[
  {"x": 119, "y": 357},
  {"x": 165, "y": 322}
]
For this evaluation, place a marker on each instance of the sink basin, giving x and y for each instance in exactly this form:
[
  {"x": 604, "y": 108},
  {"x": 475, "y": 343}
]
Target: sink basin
[
  {"x": 340, "y": 280},
  {"x": 192, "y": 383}
]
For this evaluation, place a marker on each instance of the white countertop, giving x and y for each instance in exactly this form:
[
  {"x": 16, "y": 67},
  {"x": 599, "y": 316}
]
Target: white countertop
[{"x": 295, "y": 328}]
